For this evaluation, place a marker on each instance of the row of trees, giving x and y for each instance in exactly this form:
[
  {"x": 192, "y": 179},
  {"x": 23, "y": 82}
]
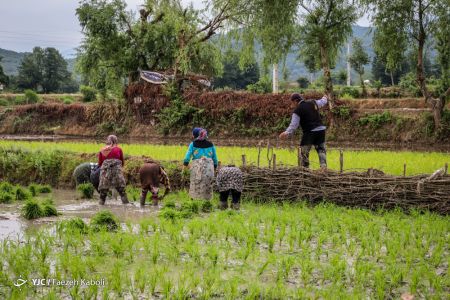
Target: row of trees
[
  {"x": 42, "y": 70},
  {"x": 165, "y": 35}
]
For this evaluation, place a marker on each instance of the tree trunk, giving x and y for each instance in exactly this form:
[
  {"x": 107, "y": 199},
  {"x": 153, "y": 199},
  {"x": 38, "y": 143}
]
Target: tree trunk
[
  {"x": 436, "y": 104},
  {"x": 392, "y": 78},
  {"x": 364, "y": 92},
  {"x": 275, "y": 79},
  {"x": 349, "y": 73},
  {"x": 326, "y": 72}
]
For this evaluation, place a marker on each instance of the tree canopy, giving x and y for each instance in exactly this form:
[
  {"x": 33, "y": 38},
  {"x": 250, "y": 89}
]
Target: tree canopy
[{"x": 43, "y": 69}]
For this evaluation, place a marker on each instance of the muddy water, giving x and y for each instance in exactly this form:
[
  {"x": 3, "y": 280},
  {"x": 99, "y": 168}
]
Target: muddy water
[{"x": 13, "y": 226}]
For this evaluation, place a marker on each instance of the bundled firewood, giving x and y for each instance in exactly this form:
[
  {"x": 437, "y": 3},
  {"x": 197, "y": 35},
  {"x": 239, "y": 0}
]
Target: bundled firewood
[{"x": 369, "y": 190}]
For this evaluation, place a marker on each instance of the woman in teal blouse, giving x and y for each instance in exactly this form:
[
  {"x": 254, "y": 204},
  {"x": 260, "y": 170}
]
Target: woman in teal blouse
[{"x": 204, "y": 161}]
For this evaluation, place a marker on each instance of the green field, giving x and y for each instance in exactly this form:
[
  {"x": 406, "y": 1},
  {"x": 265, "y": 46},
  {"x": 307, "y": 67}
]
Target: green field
[
  {"x": 262, "y": 252},
  {"x": 390, "y": 162}
]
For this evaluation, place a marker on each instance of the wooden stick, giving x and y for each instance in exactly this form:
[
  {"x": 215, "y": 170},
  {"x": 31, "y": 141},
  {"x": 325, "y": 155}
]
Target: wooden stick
[
  {"x": 446, "y": 169},
  {"x": 404, "y": 169},
  {"x": 341, "y": 161},
  {"x": 274, "y": 161},
  {"x": 244, "y": 161},
  {"x": 259, "y": 154},
  {"x": 299, "y": 156}
]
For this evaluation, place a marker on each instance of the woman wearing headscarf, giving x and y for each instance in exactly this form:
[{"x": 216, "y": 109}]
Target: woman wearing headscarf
[
  {"x": 204, "y": 161},
  {"x": 230, "y": 180},
  {"x": 110, "y": 161}
]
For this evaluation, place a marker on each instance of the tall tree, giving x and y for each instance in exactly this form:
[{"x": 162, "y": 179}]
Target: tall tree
[
  {"x": 165, "y": 35},
  {"x": 358, "y": 59},
  {"x": 325, "y": 25},
  {"x": 381, "y": 72},
  {"x": 43, "y": 69},
  {"x": 412, "y": 22},
  {"x": 235, "y": 77}
]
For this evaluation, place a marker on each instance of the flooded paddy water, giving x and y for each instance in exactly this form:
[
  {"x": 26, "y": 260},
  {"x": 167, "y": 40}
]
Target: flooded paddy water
[{"x": 68, "y": 204}]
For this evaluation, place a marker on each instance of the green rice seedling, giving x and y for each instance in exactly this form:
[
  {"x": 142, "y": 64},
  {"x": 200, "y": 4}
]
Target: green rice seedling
[
  {"x": 73, "y": 225},
  {"x": 6, "y": 187},
  {"x": 22, "y": 194},
  {"x": 133, "y": 193},
  {"x": 169, "y": 203},
  {"x": 206, "y": 206},
  {"x": 169, "y": 214},
  {"x": 140, "y": 278},
  {"x": 6, "y": 197},
  {"x": 156, "y": 250},
  {"x": 104, "y": 220},
  {"x": 167, "y": 286},
  {"x": 44, "y": 189},
  {"x": 117, "y": 278},
  {"x": 32, "y": 210},
  {"x": 153, "y": 279},
  {"x": 48, "y": 208},
  {"x": 33, "y": 188},
  {"x": 86, "y": 190},
  {"x": 213, "y": 254},
  {"x": 191, "y": 206}
]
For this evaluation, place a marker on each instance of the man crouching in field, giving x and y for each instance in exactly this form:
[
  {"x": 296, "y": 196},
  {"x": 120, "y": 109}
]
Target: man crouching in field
[{"x": 308, "y": 117}]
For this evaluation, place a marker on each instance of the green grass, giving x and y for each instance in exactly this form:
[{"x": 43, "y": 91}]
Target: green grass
[
  {"x": 289, "y": 251},
  {"x": 390, "y": 162}
]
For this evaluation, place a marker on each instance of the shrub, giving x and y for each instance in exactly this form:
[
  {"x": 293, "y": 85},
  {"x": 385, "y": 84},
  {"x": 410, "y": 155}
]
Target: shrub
[
  {"x": 343, "y": 112},
  {"x": 347, "y": 97},
  {"x": 6, "y": 197},
  {"x": 89, "y": 93},
  {"x": 104, "y": 220},
  {"x": 376, "y": 120},
  {"x": 32, "y": 210},
  {"x": 67, "y": 101},
  {"x": 48, "y": 208},
  {"x": 3, "y": 102},
  {"x": 31, "y": 97},
  {"x": 86, "y": 190},
  {"x": 22, "y": 194},
  {"x": 351, "y": 91},
  {"x": 19, "y": 100},
  {"x": 408, "y": 83}
]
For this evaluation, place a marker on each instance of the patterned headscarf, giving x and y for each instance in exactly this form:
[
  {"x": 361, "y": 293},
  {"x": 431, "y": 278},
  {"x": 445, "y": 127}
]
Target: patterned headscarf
[{"x": 200, "y": 134}]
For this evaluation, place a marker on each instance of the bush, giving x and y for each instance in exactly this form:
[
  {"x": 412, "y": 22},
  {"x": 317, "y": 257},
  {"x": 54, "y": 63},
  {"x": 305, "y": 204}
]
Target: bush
[
  {"x": 31, "y": 97},
  {"x": 32, "y": 210},
  {"x": 33, "y": 188},
  {"x": 303, "y": 82},
  {"x": 86, "y": 190},
  {"x": 347, "y": 97},
  {"x": 4, "y": 102},
  {"x": 376, "y": 120},
  {"x": 263, "y": 86},
  {"x": 104, "y": 220},
  {"x": 408, "y": 83},
  {"x": 19, "y": 100},
  {"x": 349, "y": 90},
  {"x": 89, "y": 93},
  {"x": 343, "y": 112}
]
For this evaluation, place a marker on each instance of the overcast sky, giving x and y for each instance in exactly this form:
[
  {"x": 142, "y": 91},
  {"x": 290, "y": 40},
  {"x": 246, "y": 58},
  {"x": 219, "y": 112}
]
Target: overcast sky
[{"x": 51, "y": 23}]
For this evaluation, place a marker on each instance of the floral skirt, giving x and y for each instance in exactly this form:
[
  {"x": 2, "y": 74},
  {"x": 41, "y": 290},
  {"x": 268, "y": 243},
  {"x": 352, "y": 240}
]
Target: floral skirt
[
  {"x": 202, "y": 179},
  {"x": 111, "y": 175}
]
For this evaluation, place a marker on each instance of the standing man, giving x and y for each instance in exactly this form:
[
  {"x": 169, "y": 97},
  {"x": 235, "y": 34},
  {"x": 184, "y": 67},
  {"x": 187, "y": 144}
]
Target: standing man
[{"x": 308, "y": 117}]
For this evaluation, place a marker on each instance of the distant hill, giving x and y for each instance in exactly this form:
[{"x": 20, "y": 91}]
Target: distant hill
[{"x": 11, "y": 61}]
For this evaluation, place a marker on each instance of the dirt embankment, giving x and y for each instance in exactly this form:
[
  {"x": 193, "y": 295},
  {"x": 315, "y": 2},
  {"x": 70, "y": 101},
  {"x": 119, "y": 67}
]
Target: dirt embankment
[{"x": 227, "y": 115}]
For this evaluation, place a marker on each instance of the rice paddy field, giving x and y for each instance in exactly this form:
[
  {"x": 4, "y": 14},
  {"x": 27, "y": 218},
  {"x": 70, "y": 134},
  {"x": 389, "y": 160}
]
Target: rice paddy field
[
  {"x": 187, "y": 249},
  {"x": 288, "y": 251},
  {"x": 390, "y": 162}
]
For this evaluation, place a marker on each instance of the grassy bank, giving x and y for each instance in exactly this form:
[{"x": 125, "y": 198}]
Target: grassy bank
[
  {"x": 261, "y": 252},
  {"x": 390, "y": 162}
]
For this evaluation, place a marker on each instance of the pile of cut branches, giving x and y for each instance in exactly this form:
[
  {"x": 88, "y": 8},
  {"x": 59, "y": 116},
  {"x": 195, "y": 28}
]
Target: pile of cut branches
[{"x": 369, "y": 190}]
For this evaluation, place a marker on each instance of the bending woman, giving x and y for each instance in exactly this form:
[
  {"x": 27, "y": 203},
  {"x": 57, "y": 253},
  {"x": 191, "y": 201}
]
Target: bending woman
[
  {"x": 110, "y": 161},
  {"x": 204, "y": 161}
]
